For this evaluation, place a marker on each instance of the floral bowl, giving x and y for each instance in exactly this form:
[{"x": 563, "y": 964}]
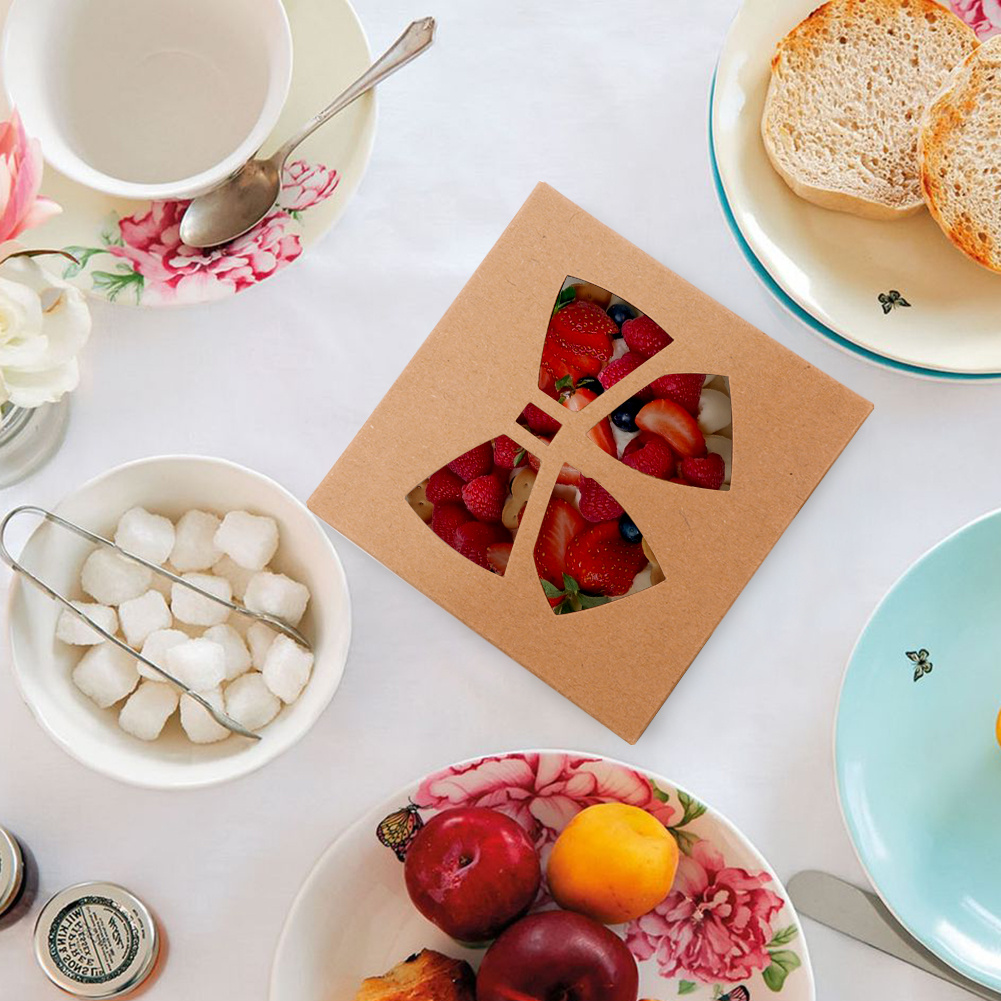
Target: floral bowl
[{"x": 726, "y": 931}]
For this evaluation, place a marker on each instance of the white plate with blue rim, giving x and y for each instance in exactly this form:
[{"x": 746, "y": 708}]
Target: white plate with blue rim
[{"x": 897, "y": 293}]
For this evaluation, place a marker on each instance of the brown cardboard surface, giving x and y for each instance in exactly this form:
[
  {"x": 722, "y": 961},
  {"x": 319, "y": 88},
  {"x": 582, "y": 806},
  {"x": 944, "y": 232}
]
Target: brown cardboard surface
[{"x": 474, "y": 375}]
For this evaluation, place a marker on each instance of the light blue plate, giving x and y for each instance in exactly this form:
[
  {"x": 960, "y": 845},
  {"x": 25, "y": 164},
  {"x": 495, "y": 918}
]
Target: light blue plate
[{"x": 918, "y": 767}]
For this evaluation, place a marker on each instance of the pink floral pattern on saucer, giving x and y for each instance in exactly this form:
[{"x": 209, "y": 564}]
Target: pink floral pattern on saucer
[
  {"x": 983, "y": 16},
  {"x": 722, "y": 927},
  {"x": 154, "y": 268}
]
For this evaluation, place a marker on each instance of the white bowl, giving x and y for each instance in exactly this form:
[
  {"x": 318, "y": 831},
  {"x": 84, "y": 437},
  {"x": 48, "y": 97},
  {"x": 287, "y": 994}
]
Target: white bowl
[
  {"x": 161, "y": 99},
  {"x": 170, "y": 485}
]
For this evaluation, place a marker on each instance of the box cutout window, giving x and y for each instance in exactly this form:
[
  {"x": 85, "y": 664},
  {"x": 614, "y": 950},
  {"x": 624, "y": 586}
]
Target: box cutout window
[
  {"x": 678, "y": 428},
  {"x": 476, "y": 502},
  {"x": 537, "y": 421},
  {"x": 589, "y": 551},
  {"x": 594, "y": 339}
]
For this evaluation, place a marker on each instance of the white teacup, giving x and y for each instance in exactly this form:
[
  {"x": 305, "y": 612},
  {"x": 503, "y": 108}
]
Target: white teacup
[{"x": 148, "y": 99}]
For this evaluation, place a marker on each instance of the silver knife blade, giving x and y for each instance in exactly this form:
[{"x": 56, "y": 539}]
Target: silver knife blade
[{"x": 863, "y": 916}]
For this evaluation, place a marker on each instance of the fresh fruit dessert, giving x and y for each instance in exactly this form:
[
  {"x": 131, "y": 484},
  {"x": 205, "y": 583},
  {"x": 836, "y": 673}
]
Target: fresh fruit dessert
[
  {"x": 236, "y": 663},
  {"x": 425, "y": 976},
  {"x": 476, "y": 502},
  {"x": 678, "y": 428},
  {"x": 472, "y": 871}
]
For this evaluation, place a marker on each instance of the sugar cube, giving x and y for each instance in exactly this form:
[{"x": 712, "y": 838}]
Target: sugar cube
[
  {"x": 198, "y": 722},
  {"x": 143, "y": 615},
  {"x": 237, "y": 654},
  {"x": 155, "y": 649},
  {"x": 148, "y": 709},
  {"x": 237, "y": 576},
  {"x": 287, "y": 668},
  {"x": 248, "y": 539},
  {"x": 193, "y": 545},
  {"x": 250, "y": 702},
  {"x": 111, "y": 578},
  {"x": 259, "y": 639},
  {"x": 277, "y": 595},
  {"x": 105, "y": 674},
  {"x": 198, "y": 663},
  {"x": 71, "y": 629},
  {"x": 194, "y": 608},
  {"x": 150, "y": 536}
]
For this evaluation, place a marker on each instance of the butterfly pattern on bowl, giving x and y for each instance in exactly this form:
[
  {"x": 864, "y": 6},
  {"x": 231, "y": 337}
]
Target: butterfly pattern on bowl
[
  {"x": 155, "y": 268},
  {"x": 721, "y": 928},
  {"x": 983, "y": 16},
  {"x": 922, "y": 665}
]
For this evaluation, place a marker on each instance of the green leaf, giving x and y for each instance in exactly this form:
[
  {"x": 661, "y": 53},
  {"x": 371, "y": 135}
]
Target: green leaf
[
  {"x": 552, "y": 591},
  {"x": 565, "y": 384},
  {"x": 570, "y": 585},
  {"x": 692, "y": 807},
  {"x": 114, "y": 284},
  {"x": 519, "y": 456},
  {"x": 783, "y": 937},
  {"x": 686, "y": 840},
  {"x": 82, "y": 255},
  {"x": 658, "y": 792},
  {"x": 564, "y": 607},
  {"x": 686, "y": 986},
  {"x": 784, "y": 961},
  {"x": 592, "y": 600},
  {"x": 566, "y": 296}
]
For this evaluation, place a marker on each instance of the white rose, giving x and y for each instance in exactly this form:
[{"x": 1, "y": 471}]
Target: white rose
[{"x": 44, "y": 322}]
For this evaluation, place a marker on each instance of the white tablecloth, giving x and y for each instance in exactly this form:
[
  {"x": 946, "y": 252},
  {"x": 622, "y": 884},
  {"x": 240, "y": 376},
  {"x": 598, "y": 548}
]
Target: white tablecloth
[{"x": 607, "y": 102}]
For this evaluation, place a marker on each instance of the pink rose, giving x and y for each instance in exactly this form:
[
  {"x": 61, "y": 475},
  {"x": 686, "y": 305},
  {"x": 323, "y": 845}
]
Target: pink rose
[
  {"x": 714, "y": 925},
  {"x": 983, "y": 16},
  {"x": 305, "y": 185},
  {"x": 541, "y": 791},
  {"x": 21, "y": 207},
  {"x": 173, "y": 272}
]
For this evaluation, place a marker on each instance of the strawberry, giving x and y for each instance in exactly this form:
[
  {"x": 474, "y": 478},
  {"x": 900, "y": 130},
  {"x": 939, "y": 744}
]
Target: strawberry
[
  {"x": 652, "y": 456},
  {"x": 675, "y": 425},
  {"x": 569, "y": 475},
  {"x": 602, "y": 562},
  {"x": 559, "y": 362},
  {"x": 644, "y": 336},
  {"x": 579, "y": 399},
  {"x": 582, "y": 329},
  {"x": 560, "y": 525},
  {"x": 601, "y": 435},
  {"x": 447, "y": 518},
  {"x": 508, "y": 454},
  {"x": 476, "y": 462},
  {"x": 443, "y": 485},
  {"x": 683, "y": 389},
  {"x": 538, "y": 421},
  {"x": 618, "y": 369},
  {"x": 474, "y": 538},
  {"x": 596, "y": 503},
  {"x": 498, "y": 555},
  {"x": 708, "y": 472},
  {"x": 485, "y": 496}
]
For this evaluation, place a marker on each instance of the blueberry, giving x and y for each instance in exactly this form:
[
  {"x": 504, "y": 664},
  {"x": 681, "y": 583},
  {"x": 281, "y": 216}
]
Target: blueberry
[
  {"x": 625, "y": 417},
  {"x": 619, "y": 313},
  {"x": 628, "y": 529},
  {"x": 590, "y": 382}
]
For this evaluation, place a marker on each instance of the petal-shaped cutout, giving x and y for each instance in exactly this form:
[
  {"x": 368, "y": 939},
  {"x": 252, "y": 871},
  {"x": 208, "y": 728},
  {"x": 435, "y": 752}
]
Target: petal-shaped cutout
[
  {"x": 536, "y": 420},
  {"x": 589, "y": 551},
  {"x": 475, "y": 503},
  {"x": 678, "y": 428},
  {"x": 594, "y": 339}
]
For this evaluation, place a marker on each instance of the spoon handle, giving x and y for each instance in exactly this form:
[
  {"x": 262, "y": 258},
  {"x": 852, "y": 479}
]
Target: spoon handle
[{"x": 418, "y": 36}]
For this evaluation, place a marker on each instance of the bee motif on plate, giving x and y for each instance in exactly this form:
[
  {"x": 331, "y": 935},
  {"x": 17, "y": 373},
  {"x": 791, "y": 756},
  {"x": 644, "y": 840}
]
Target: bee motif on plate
[
  {"x": 398, "y": 830},
  {"x": 891, "y": 300},
  {"x": 922, "y": 665}
]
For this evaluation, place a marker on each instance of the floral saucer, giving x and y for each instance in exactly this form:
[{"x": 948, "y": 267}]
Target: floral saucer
[
  {"x": 894, "y": 292},
  {"x": 130, "y": 252},
  {"x": 726, "y": 932}
]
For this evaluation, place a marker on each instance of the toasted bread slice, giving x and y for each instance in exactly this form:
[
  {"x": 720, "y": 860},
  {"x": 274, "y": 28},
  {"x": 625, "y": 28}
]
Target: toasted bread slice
[
  {"x": 425, "y": 976},
  {"x": 848, "y": 88},
  {"x": 961, "y": 156}
]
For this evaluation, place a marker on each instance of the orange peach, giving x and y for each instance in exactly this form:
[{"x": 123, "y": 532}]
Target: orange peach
[{"x": 613, "y": 862}]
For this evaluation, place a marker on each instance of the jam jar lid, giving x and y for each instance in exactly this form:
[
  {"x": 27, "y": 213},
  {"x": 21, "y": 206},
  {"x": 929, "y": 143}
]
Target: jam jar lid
[
  {"x": 96, "y": 940},
  {"x": 11, "y": 870}
]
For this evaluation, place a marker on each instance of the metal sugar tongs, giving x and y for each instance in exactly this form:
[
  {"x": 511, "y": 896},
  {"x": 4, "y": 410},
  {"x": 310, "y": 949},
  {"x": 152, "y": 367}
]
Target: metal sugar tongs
[{"x": 217, "y": 714}]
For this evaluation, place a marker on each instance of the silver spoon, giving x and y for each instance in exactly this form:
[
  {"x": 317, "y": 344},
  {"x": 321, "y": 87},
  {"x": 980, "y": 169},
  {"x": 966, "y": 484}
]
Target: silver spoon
[{"x": 245, "y": 198}]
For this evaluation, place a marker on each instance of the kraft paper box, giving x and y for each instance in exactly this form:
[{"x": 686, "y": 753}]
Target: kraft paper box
[{"x": 620, "y": 659}]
